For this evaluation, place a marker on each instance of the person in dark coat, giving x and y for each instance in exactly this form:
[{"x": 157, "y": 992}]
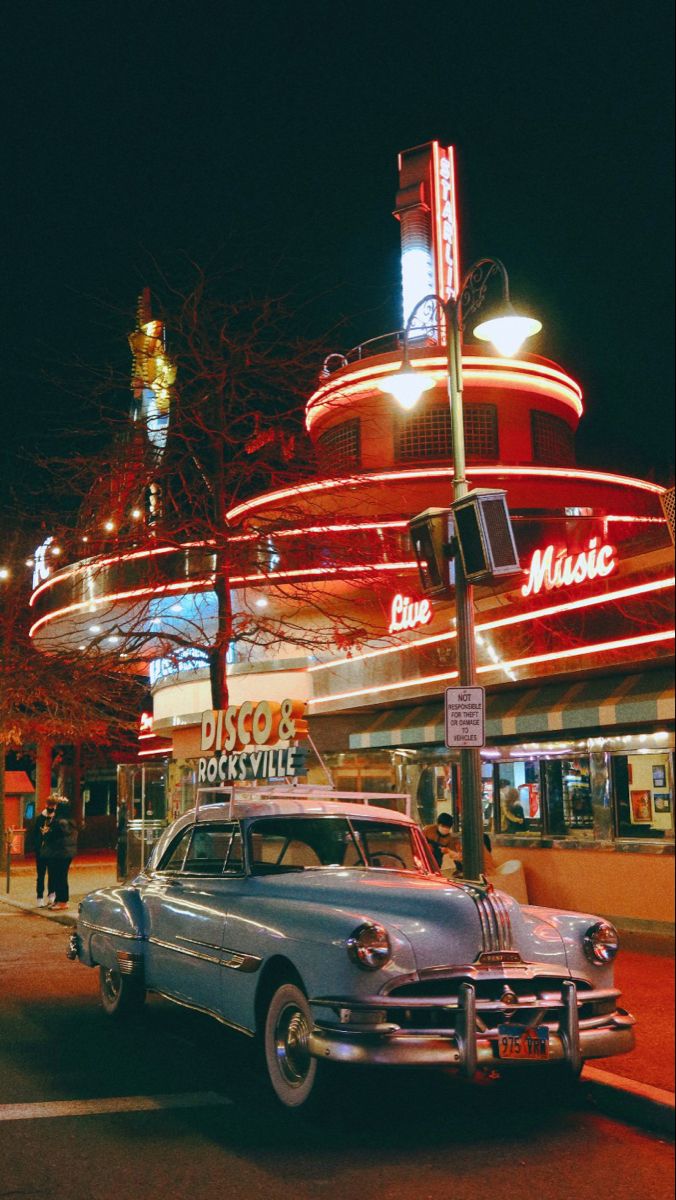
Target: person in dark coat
[
  {"x": 58, "y": 847},
  {"x": 41, "y": 826},
  {"x": 441, "y": 838}
]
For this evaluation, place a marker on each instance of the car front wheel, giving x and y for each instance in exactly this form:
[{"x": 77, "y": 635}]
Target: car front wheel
[
  {"x": 291, "y": 1069},
  {"x": 120, "y": 994}
]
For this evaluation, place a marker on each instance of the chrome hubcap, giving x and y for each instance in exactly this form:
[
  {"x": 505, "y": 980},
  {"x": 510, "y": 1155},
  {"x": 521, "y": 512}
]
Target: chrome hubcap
[{"x": 291, "y": 1034}]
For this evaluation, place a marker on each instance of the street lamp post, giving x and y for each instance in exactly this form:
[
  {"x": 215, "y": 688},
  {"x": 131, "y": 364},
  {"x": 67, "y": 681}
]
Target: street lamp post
[{"x": 507, "y": 330}]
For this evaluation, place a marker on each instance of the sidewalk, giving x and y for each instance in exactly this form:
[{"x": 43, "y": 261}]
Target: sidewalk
[{"x": 642, "y": 1081}]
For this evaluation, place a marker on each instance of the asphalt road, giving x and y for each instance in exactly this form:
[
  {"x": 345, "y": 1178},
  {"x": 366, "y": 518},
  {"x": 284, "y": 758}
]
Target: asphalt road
[{"x": 170, "y": 1104}]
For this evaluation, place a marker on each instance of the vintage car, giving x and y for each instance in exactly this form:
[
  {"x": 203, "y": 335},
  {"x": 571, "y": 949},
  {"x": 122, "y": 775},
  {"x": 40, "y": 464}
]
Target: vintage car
[{"x": 325, "y": 929}]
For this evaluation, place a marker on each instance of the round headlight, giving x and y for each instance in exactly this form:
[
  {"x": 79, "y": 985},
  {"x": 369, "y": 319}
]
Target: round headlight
[
  {"x": 369, "y": 947},
  {"x": 601, "y": 942}
]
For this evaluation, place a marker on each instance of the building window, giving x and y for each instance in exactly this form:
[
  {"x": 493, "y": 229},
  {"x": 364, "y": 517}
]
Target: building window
[
  {"x": 339, "y": 448},
  {"x": 481, "y": 431},
  {"x": 517, "y": 804},
  {"x": 428, "y": 435},
  {"x": 552, "y": 439},
  {"x": 644, "y": 789},
  {"x": 569, "y": 797}
]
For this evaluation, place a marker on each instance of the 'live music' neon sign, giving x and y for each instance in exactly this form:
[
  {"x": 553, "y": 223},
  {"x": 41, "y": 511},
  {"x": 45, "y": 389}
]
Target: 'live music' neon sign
[
  {"x": 552, "y": 568},
  {"x": 408, "y": 614}
]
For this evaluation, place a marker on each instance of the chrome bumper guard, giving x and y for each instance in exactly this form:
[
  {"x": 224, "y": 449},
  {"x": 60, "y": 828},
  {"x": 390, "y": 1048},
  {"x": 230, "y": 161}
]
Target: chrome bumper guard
[{"x": 467, "y": 1047}]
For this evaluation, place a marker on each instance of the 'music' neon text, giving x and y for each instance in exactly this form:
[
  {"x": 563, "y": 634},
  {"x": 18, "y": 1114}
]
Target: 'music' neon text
[
  {"x": 552, "y": 568},
  {"x": 408, "y": 614}
]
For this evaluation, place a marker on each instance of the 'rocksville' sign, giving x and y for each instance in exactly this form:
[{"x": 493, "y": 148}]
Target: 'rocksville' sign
[{"x": 242, "y": 742}]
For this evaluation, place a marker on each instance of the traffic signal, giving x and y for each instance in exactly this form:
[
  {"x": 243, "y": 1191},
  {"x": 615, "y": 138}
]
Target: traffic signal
[
  {"x": 431, "y": 534},
  {"x": 485, "y": 536}
]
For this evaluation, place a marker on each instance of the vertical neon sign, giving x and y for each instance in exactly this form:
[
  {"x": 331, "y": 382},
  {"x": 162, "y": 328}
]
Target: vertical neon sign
[
  {"x": 446, "y": 247},
  {"x": 427, "y": 211}
]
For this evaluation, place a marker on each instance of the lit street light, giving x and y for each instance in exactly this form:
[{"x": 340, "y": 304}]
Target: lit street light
[{"x": 506, "y": 329}]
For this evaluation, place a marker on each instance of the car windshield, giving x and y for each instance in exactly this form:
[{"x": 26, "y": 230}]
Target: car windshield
[{"x": 279, "y": 844}]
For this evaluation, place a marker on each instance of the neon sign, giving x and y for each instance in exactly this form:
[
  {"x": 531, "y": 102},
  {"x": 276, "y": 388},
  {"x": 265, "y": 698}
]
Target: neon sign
[
  {"x": 426, "y": 208},
  {"x": 447, "y": 257},
  {"x": 408, "y": 614},
  {"x": 41, "y": 569},
  {"x": 225, "y": 732},
  {"x": 552, "y": 568}
]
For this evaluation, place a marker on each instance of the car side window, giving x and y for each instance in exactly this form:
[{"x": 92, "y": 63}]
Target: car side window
[
  {"x": 213, "y": 850},
  {"x": 172, "y": 859},
  {"x": 234, "y": 863}
]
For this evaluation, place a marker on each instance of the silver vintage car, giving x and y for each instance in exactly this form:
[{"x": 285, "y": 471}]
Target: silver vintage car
[{"x": 325, "y": 929}]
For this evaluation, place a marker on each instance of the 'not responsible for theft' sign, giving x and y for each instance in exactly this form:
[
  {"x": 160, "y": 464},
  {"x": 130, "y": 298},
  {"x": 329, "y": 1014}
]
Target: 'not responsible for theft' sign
[{"x": 465, "y": 717}]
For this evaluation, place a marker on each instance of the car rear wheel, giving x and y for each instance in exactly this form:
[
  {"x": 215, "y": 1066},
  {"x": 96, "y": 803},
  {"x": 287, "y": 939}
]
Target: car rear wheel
[
  {"x": 120, "y": 994},
  {"x": 291, "y": 1069}
]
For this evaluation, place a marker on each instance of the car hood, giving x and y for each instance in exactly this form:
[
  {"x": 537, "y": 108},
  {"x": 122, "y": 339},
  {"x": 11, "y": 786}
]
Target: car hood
[{"x": 440, "y": 919}]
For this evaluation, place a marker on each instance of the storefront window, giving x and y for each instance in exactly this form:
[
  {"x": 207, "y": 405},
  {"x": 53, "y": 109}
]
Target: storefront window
[
  {"x": 488, "y": 795},
  {"x": 644, "y": 791},
  {"x": 518, "y": 807},
  {"x": 569, "y": 797}
]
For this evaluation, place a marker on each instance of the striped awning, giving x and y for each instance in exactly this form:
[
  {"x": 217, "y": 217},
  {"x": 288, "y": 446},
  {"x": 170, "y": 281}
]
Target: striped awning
[{"x": 589, "y": 706}]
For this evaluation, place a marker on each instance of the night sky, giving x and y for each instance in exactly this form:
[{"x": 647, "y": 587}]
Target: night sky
[{"x": 265, "y": 135}]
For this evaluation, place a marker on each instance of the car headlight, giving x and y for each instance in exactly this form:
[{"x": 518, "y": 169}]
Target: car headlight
[
  {"x": 369, "y": 947},
  {"x": 601, "y": 942}
]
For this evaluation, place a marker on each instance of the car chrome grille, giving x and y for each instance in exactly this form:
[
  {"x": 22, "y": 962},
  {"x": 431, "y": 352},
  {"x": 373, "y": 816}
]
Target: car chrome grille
[
  {"x": 499, "y": 1001},
  {"x": 496, "y": 926}
]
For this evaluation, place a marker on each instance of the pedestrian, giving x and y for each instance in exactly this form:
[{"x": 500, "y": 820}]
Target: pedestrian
[
  {"x": 513, "y": 817},
  {"x": 41, "y": 826},
  {"x": 441, "y": 839},
  {"x": 58, "y": 847}
]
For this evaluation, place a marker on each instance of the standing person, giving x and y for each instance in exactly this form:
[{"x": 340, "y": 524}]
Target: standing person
[
  {"x": 41, "y": 826},
  {"x": 513, "y": 818},
  {"x": 58, "y": 847}
]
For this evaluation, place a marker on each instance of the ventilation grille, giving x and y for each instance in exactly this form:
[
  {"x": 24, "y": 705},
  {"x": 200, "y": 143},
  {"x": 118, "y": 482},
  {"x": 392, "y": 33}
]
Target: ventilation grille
[
  {"x": 340, "y": 447},
  {"x": 667, "y": 502},
  {"x": 428, "y": 435},
  {"x": 552, "y": 440}
]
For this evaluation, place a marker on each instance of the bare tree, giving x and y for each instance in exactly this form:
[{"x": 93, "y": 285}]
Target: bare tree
[
  {"x": 70, "y": 698},
  {"x": 219, "y": 386}
]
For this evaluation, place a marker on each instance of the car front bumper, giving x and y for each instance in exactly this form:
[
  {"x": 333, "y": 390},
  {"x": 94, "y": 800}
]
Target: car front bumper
[{"x": 468, "y": 1047}]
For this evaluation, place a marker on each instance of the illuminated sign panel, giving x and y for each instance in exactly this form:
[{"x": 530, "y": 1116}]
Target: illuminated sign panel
[
  {"x": 259, "y": 725},
  {"x": 551, "y": 568},
  {"x": 426, "y": 208},
  {"x": 446, "y": 226},
  {"x": 408, "y": 614},
  {"x": 41, "y": 569}
]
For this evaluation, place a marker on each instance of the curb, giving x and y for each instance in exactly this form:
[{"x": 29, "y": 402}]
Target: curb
[
  {"x": 638, "y": 1103},
  {"x": 57, "y": 918}
]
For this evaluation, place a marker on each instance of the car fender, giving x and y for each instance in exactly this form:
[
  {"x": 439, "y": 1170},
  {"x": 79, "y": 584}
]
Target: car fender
[
  {"x": 110, "y": 923},
  {"x": 312, "y": 939}
]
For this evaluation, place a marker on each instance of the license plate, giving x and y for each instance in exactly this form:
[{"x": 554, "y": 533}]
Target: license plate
[{"x": 523, "y": 1041}]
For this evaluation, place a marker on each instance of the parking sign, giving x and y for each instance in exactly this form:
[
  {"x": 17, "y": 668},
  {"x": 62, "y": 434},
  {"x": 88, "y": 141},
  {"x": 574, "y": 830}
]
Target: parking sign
[{"x": 465, "y": 718}]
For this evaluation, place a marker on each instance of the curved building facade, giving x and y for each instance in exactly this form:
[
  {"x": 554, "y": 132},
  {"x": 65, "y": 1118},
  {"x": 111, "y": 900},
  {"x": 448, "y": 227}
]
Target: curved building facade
[{"x": 576, "y": 652}]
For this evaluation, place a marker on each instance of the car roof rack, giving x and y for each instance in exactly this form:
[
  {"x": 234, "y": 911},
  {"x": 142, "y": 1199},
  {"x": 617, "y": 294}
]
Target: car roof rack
[{"x": 234, "y": 796}]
